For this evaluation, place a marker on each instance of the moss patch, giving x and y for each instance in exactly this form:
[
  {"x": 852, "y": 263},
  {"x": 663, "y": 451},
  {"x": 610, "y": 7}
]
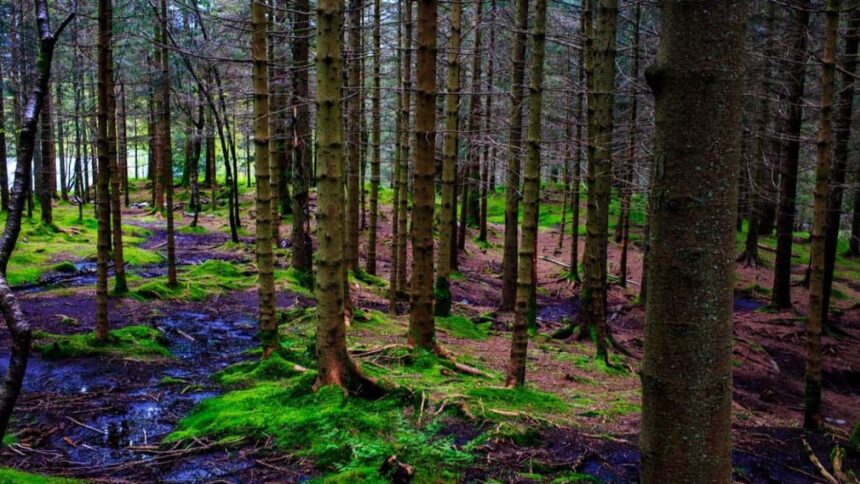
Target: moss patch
[
  {"x": 460, "y": 327},
  {"x": 14, "y": 476},
  {"x": 127, "y": 342}
]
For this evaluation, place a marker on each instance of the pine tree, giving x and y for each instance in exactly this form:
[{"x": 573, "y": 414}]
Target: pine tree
[
  {"x": 376, "y": 139},
  {"x": 103, "y": 176},
  {"x": 697, "y": 81}
]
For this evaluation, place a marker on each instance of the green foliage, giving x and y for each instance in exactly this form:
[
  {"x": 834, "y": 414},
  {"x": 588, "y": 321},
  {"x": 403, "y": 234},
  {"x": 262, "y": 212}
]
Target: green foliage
[
  {"x": 127, "y": 342},
  {"x": 273, "y": 368},
  {"x": 297, "y": 281},
  {"x": 14, "y": 476},
  {"x": 346, "y": 437},
  {"x": 366, "y": 278},
  {"x": 460, "y": 327},
  {"x": 524, "y": 400}
]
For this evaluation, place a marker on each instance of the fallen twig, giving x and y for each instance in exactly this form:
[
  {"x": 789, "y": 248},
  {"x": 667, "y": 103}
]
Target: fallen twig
[{"x": 817, "y": 464}]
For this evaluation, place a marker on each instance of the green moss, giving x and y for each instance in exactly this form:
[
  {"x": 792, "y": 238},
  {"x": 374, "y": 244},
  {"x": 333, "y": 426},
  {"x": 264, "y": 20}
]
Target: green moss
[
  {"x": 368, "y": 279},
  {"x": 524, "y": 400},
  {"x": 14, "y": 476},
  {"x": 296, "y": 281},
  {"x": 575, "y": 477},
  {"x": 192, "y": 230},
  {"x": 346, "y": 437},
  {"x": 198, "y": 282},
  {"x": 594, "y": 365},
  {"x": 273, "y": 368},
  {"x": 127, "y": 342},
  {"x": 66, "y": 266},
  {"x": 460, "y": 327},
  {"x": 169, "y": 380}
]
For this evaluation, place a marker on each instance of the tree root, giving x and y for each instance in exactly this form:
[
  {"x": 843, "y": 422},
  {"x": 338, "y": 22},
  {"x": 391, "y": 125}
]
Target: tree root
[
  {"x": 818, "y": 465},
  {"x": 462, "y": 368}
]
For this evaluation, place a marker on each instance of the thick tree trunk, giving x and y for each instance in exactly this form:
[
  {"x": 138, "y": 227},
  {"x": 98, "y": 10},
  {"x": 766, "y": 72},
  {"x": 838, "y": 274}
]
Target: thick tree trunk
[
  {"x": 10, "y": 309},
  {"x": 422, "y": 331},
  {"x": 576, "y": 177},
  {"x": 405, "y": 151},
  {"x": 515, "y": 141},
  {"x": 697, "y": 80},
  {"x": 526, "y": 282},
  {"x": 601, "y": 99},
  {"x": 353, "y": 134},
  {"x": 781, "y": 296},
  {"x": 302, "y": 250},
  {"x": 821, "y": 201},
  {"x": 629, "y": 166},
  {"x": 395, "y": 172},
  {"x": 449, "y": 164},
  {"x": 840, "y": 154},
  {"x": 334, "y": 366},
  {"x": 268, "y": 320},
  {"x": 103, "y": 176}
]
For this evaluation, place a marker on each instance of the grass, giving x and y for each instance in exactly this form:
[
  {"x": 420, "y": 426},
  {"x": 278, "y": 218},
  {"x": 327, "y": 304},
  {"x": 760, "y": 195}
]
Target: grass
[
  {"x": 127, "y": 342},
  {"x": 14, "y": 476},
  {"x": 40, "y": 247},
  {"x": 347, "y": 438},
  {"x": 462, "y": 328}
]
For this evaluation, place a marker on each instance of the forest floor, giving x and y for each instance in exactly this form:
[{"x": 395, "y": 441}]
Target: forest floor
[{"x": 179, "y": 395}]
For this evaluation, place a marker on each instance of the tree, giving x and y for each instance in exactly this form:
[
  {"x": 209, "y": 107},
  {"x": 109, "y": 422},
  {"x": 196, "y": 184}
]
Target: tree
[
  {"x": 44, "y": 174},
  {"x": 512, "y": 176},
  {"x": 268, "y": 319},
  {"x": 376, "y": 139},
  {"x": 791, "y": 156},
  {"x": 301, "y": 238},
  {"x": 449, "y": 165},
  {"x": 334, "y": 366},
  {"x": 697, "y": 80},
  {"x": 576, "y": 177},
  {"x": 120, "y": 284},
  {"x": 422, "y": 331},
  {"x": 4, "y": 174},
  {"x": 403, "y": 169},
  {"x": 103, "y": 175},
  {"x": 471, "y": 172},
  {"x": 821, "y": 202},
  {"x": 601, "y": 99},
  {"x": 526, "y": 281},
  {"x": 353, "y": 134},
  {"x": 10, "y": 308},
  {"x": 622, "y": 230},
  {"x": 167, "y": 147}
]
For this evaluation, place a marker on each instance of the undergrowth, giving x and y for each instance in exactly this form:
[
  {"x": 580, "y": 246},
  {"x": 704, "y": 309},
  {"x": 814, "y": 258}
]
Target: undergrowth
[
  {"x": 14, "y": 476},
  {"x": 127, "y": 342}
]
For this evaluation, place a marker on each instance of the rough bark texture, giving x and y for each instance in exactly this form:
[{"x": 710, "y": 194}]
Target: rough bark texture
[
  {"x": 375, "y": 139},
  {"x": 781, "y": 296},
  {"x": 167, "y": 147},
  {"x": 422, "y": 331},
  {"x": 268, "y": 321},
  {"x": 601, "y": 101},
  {"x": 4, "y": 173},
  {"x": 395, "y": 175},
  {"x": 103, "y": 175},
  {"x": 449, "y": 164},
  {"x": 334, "y": 366},
  {"x": 622, "y": 233},
  {"x": 821, "y": 201},
  {"x": 472, "y": 178},
  {"x": 512, "y": 177},
  {"x": 120, "y": 284},
  {"x": 47, "y": 165},
  {"x": 403, "y": 170},
  {"x": 840, "y": 156},
  {"x": 353, "y": 134},
  {"x": 301, "y": 237},
  {"x": 10, "y": 309},
  {"x": 697, "y": 80},
  {"x": 576, "y": 176},
  {"x": 525, "y": 304}
]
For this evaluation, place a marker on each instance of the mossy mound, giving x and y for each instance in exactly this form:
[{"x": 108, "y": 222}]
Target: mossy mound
[
  {"x": 463, "y": 328},
  {"x": 273, "y": 368},
  {"x": 346, "y": 437},
  {"x": 127, "y": 342}
]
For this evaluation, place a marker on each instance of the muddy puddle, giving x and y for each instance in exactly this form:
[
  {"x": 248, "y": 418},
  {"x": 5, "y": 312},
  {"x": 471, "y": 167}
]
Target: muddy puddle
[{"x": 99, "y": 416}]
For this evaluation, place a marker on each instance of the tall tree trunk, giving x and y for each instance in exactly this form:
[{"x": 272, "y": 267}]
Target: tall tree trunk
[
  {"x": 526, "y": 282},
  {"x": 515, "y": 141},
  {"x": 449, "y": 164},
  {"x": 489, "y": 154},
  {"x": 629, "y": 165},
  {"x": 697, "y": 80},
  {"x": 167, "y": 147},
  {"x": 302, "y": 250},
  {"x": 376, "y": 139},
  {"x": 395, "y": 170},
  {"x": 13, "y": 316},
  {"x": 821, "y": 201},
  {"x": 472, "y": 178},
  {"x": 61, "y": 145},
  {"x": 854, "y": 243},
  {"x": 334, "y": 366},
  {"x": 422, "y": 331},
  {"x": 278, "y": 96},
  {"x": 353, "y": 134},
  {"x": 781, "y": 297},
  {"x": 103, "y": 176},
  {"x": 576, "y": 178},
  {"x": 120, "y": 284},
  {"x": 403, "y": 209},
  {"x": 268, "y": 320},
  {"x": 843, "y": 136},
  {"x": 122, "y": 144},
  {"x": 601, "y": 100}
]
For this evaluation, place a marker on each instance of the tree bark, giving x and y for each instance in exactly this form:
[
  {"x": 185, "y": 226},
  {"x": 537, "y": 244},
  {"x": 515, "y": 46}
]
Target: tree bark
[
  {"x": 629, "y": 166},
  {"x": 103, "y": 176},
  {"x": 403, "y": 173},
  {"x": 781, "y": 296},
  {"x": 47, "y": 165},
  {"x": 268, "y": 320},
  {"x": 302, "y": 250},
  {"x": 697, "y": 80},
  {"x": 821, "y": 201},
  {"x": 449, "y": 164},
  {"x": 515, "y": 141},
  {"x": 353, "y": 134},
  {"x": 526, "y": 282},
  {"x": 4, "y": 171}
]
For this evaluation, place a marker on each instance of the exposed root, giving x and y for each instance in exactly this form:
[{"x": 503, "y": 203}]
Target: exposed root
[
  {"x": 818, "y": 465},
  {"x": 462, "y": 368}
]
